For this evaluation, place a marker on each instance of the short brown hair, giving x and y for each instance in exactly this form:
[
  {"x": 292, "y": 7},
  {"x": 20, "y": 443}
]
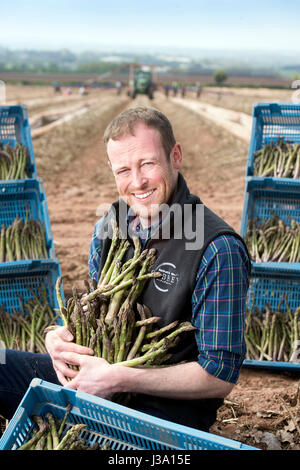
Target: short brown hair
[{"x": 125, "y": 123}]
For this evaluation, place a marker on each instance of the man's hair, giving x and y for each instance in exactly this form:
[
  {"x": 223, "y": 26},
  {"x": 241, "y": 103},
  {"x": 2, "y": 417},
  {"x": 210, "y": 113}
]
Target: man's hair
[{"x": 125, "y": 123}]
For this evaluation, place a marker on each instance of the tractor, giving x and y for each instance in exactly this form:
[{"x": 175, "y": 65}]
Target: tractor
[{"x": 141, "y": 83}]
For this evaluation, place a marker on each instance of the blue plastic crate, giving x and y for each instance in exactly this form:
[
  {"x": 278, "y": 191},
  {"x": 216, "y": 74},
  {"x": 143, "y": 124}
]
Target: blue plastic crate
[
  {"x": 26, "y": 196},
  {"x": 17, "y": 278},
  {"x": 270, "y": 121},
  {"x": 122, "y": 427},
  {"x": 269, "y": 284},
  {"x": 264, "y": 197},
  {"x": 15, "y": 127},
  {"x": 272, "y": 365}
]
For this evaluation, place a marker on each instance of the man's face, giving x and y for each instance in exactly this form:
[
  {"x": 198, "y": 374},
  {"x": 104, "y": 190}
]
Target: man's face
[{"x": 145, "y": 178}]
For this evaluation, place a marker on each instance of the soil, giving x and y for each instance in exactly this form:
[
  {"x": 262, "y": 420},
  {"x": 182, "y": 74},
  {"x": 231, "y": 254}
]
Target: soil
[{"x": 73, "y": 164}]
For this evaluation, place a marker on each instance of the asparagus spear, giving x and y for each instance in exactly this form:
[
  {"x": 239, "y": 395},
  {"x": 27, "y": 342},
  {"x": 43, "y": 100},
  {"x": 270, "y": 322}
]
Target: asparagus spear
[
  {"x": 70, "y": 436},
  {"x": 37, "y": 435}
]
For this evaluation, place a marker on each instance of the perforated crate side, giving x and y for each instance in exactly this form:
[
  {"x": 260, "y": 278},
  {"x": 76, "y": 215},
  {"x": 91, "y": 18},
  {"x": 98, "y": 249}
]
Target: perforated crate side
[
  {"x": 122, "y": 427},
  {"x": 26, "y": 198},
  {"x": 15, "y": 127},
  {"x": 263, "y": 199},
  {"x": 270, "y": 282},
  {"x": 16, "y": 280}
]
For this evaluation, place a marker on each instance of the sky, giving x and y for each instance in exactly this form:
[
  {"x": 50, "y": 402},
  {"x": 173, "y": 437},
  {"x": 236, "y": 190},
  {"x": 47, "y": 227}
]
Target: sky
[{"x": 266, "y": 25}]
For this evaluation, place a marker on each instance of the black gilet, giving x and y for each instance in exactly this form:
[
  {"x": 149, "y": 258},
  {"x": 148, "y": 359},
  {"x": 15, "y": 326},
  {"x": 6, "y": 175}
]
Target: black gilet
[{"x": 170, "y": 296}]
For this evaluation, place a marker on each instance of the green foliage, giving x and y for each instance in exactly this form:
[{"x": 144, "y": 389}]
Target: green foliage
[
  {"x": 58, "y": 66},
  {"x": 96, "y": 67},
  {"x": 30, "y": 68},
  {"x": 220, "y": 76}
]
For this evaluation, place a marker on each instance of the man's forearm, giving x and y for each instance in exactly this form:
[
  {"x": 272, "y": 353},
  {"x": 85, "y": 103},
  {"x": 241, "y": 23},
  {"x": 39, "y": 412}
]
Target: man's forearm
[{"x": 188, "y": 381}]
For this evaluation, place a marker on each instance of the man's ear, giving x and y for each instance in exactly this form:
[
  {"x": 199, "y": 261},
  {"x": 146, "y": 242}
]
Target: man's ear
[{"x": 176, "y": 156}]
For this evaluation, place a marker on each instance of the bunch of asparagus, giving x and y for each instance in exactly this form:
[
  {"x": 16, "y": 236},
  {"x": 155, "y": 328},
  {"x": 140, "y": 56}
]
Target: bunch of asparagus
[
  {"x": 273, "y": 240},
  {"x": 22, "y": 240},
  {"x": 23, "y": 330},
  {"x": 280, "y": 159},
  {"x": 13, "y": 162},
  {"x": 271, "y": 334},
  {"x": 108, "y": 318},
  {"x": 50, "y": 433}
]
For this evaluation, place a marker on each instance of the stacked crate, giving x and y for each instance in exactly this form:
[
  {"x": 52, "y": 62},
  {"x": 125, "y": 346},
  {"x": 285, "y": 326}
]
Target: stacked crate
[
  {"x": 24, "y": 198},
  {"x": 266, "y": 196}
]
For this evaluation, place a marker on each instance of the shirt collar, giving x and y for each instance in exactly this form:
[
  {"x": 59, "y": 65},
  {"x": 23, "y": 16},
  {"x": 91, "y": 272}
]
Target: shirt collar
[{"x": 136, "y": 227}]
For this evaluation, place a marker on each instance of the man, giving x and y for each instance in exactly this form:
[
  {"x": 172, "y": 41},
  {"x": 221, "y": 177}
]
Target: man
[{"x": 209, "y": 283}]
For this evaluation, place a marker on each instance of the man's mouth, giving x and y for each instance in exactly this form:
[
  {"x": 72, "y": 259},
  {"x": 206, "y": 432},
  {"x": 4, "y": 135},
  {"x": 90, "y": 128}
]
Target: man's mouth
[{"x": 144, "y": 195}]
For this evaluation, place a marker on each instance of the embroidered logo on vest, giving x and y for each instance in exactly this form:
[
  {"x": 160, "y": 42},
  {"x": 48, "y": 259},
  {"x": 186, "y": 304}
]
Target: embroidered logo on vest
[{"x": 169, "y": 277}]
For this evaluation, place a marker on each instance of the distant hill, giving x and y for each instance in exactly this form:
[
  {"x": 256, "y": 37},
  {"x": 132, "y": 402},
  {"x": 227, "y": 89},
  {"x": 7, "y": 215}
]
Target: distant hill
[{"x": 90, "y": 62}]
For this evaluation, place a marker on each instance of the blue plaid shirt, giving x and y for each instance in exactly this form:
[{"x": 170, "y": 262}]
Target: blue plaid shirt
[{"x": 218, "y": 302}]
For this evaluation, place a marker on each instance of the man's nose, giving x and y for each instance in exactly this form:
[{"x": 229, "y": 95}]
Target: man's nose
[{"x": 138, "y": 179}]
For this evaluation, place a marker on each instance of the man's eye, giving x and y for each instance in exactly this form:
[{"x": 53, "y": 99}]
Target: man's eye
[
  {"x": 148, "y": 163},
  {"x": 122, "y": 172}
]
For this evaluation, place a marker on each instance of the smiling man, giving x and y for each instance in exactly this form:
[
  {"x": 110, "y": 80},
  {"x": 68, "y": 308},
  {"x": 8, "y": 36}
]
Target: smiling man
[
  {"x": 146, "y": 176},
  {"x": 206, "y": 285}
]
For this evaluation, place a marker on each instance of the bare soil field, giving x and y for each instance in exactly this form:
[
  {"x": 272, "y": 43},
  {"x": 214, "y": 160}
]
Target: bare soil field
[
  {"x": 241, "y": 99},
  {"x": 263, "y": 409}
]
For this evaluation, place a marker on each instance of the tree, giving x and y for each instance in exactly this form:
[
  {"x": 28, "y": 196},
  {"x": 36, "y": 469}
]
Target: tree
[{"x": 220, "y": 76}]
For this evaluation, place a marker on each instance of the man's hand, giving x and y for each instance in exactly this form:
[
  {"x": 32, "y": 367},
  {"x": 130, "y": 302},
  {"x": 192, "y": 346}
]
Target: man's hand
[
  {"x": 59, "y": 341},
  {"x": 187, "y": 381},
  {"x": 96, "y": 376}
]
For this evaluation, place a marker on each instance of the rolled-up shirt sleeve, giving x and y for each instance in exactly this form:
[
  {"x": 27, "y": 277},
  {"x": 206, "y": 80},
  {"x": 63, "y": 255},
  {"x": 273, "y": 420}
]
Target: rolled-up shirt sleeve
[{"x": 219, "y": 307}]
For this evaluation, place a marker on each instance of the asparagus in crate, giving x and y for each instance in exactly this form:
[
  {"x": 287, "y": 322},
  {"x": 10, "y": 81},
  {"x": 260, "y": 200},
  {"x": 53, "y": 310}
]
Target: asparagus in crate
[
  {"x": 108, "y": 317},
  {"x": 23, "y": 330},
  {"x": 13, "y": 162},
  {"x": 278, "y": 159},
  {"x": 22, "y": 240},
  {"x": 273, "y": 240},
  {"x": 271, "y": 334},
  {"x": 51, "y": 433}
]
